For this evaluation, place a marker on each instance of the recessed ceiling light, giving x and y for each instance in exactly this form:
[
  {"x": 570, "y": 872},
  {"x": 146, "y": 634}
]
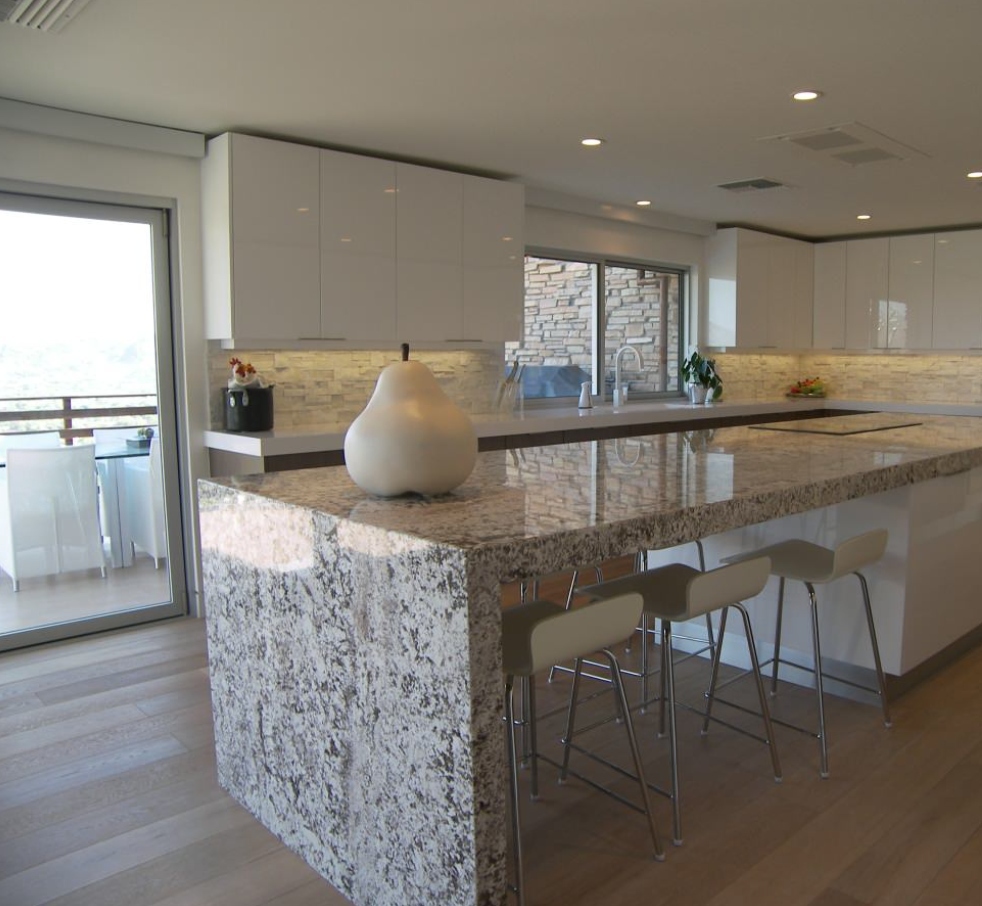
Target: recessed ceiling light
[
  {"x": 591, "y": 142},
  {"x": 643, "y": 203},
  {"x": 975, "y": 174},
  {"x": 807, "y": 94},
  {"x": 863, "y": 216}
]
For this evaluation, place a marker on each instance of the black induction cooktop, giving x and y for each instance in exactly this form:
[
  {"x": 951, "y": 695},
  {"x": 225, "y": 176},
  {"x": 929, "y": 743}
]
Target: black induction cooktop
[{"x": 842, "y": 425}]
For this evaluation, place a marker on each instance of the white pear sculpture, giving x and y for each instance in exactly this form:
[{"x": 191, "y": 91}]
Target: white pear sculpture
[{"x": 411, "y": 437}]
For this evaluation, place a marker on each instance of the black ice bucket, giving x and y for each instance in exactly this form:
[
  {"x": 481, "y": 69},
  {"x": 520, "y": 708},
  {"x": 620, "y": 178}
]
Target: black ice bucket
[{"x": 249, "y": 409}]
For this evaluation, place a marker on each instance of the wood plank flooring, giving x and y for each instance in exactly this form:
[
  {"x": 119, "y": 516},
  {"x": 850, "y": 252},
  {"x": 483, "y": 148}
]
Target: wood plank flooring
[{"x": 108, "y": 797}]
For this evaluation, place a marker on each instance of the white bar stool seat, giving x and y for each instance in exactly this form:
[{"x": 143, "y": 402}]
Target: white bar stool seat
[
  {"x": 813, "y": 565},
  {"x": 677, "y": 593},
  {"x": 536, "y": 635}
]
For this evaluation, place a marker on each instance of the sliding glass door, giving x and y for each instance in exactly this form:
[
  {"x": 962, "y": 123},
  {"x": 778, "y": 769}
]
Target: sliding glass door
[{"x": 86, "y": 352}]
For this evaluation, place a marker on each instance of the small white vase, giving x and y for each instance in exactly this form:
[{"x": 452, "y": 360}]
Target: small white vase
[{"x": 698, "y": 394}]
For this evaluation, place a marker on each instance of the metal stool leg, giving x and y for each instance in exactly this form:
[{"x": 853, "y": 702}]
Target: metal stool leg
[
  {"x": 516, "y": 829},
  {"x": 819, "y": 689},
  {"x": 714, "y": 673},
  {"x": 533, "y": 738},
  {"x": 762, "y": 697},
  {"x": 777, "y": 636},
  {"x": 570, "y": 719},
  {"x": 632, "y": 739},
  {"x": 672, "y": 734},
  {"x": 880, "y": 680}
]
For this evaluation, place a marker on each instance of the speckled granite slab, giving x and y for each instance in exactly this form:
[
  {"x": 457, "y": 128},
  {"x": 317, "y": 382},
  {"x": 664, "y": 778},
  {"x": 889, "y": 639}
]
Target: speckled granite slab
[{"x": 354, "y": 642}]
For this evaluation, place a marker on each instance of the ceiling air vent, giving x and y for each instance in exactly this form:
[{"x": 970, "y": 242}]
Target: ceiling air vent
[
  {"x": 41, "y": 15},
  {"x": 751, "y": 185},
  {"x": 851, "y": 143}
]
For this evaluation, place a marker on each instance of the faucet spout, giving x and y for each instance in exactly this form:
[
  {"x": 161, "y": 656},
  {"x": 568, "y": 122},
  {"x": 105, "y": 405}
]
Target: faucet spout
[{"x": 620, "y": 392}]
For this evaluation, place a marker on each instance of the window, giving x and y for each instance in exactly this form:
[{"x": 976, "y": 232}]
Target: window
[{"x": 576, "y": 307}]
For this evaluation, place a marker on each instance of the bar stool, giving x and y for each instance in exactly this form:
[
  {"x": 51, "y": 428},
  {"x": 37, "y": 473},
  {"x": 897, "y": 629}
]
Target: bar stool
[
  {"x": 535, "y": 636},
  {"x": 676, "y": 593},
  {"x": 814, "y": 565}
]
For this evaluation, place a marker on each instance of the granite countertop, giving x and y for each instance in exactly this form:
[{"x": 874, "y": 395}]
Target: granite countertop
[{"x": 606, "y": 497}]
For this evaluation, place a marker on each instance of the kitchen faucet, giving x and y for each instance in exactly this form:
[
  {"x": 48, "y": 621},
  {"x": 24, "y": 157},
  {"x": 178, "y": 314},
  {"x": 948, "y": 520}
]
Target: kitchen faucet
[{"x": 620, "y": 393}]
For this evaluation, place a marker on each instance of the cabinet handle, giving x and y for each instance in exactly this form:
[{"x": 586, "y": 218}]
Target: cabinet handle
[
  {"x": 322, "y": 338},
  {"x": 462, "y": 340}
]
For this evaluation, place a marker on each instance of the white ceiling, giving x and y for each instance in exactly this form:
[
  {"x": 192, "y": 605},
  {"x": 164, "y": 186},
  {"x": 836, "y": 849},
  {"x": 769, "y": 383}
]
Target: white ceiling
[{"x": 683, "y": 91}]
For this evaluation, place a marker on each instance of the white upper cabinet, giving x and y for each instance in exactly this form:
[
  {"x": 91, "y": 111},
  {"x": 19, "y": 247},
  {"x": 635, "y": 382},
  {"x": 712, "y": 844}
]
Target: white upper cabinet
[
  {"x": 429, "y": 221},
  {"x": 260, "y": 202},
  {"x": 867, "y": 275},
  {"x": 830, "y": 296},
  {"x": 911, "y": 284},
  {"x": 304, "y": 244},
  {"x": 493, "y": 260},
  {"x": 357, "y": 247},
  {"x": 760, "y": 290},
  {"x": 958, "y": 290}
]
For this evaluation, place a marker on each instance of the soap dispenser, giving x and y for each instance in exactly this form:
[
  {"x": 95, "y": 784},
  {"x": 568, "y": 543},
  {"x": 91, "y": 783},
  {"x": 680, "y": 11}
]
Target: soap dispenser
[{"x": 586, "y": 401}]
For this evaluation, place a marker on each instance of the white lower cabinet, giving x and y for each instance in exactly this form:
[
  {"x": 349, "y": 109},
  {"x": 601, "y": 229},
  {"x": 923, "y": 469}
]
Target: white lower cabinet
[{"x": 958, "y": 290}]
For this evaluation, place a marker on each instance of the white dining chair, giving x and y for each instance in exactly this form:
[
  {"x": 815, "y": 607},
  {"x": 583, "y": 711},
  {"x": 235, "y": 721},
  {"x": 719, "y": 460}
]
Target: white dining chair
[
  {"x": 29, "y": 441},
  {"x": 144, "y": 494},
  {"x": 49, "y": 516}
]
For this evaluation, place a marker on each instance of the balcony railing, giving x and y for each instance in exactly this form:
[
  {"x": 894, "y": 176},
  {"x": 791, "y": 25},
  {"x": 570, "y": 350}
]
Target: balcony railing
[{"x": 76, "y": 416}]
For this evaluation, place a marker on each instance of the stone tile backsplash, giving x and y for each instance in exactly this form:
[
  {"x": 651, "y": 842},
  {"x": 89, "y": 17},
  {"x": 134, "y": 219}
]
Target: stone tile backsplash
[
  {"x": 315, "y": 386},
  {"x": 941, "y": 378}
]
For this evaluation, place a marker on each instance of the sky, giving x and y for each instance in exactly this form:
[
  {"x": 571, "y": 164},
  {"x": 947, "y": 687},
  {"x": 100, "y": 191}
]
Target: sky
[{"x": 73, "y": 280}]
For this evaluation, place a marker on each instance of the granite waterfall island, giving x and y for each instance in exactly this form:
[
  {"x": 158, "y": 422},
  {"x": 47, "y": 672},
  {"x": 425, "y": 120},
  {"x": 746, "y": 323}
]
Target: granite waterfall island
[{"x": 354, "y": 643}]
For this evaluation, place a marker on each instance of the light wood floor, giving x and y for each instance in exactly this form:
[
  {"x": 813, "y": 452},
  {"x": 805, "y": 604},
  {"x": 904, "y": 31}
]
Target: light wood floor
[
  {"x": 108, "y": 798},
  {"x": 85, "y": 593}
]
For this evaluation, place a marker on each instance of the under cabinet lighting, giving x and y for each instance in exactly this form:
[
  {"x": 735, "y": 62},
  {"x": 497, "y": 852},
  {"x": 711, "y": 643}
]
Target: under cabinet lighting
[
  {"x": 863, "y": 216},
  {"x": 644, "y": 203},
  {"x": 807, "y": 94},
  {"x": 303, "y": 210},
  {"x": 975, "y": 174},
  {"x": 591, "y": 142}
]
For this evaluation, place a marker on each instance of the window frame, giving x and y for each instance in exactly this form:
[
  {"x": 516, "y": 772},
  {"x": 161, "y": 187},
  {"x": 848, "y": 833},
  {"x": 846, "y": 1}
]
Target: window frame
[{"x": 601, "y": 262}]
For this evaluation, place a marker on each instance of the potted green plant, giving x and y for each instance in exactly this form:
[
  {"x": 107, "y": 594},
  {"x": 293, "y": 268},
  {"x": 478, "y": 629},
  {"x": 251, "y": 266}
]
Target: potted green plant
[{"x": 699, "y": 374}]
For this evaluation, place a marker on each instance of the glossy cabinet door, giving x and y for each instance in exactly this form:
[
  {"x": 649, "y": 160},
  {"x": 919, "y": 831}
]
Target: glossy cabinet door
[
  {"x": 867, "y": 275},
  {"x": 260, "y": 229},
  {"x": 760, "y": 290},
  {"x": 429, "y": 225},
  {"x": 753, "y": 288},
  {"x": 803, "y": 303},
  {"x": 911, "y": 285},
  {"x": 493, "y": 256},
  {"x": 829, "y": 319},
  {"x": 357, "y": 247},
  {"x": 958, "y": 290}
]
